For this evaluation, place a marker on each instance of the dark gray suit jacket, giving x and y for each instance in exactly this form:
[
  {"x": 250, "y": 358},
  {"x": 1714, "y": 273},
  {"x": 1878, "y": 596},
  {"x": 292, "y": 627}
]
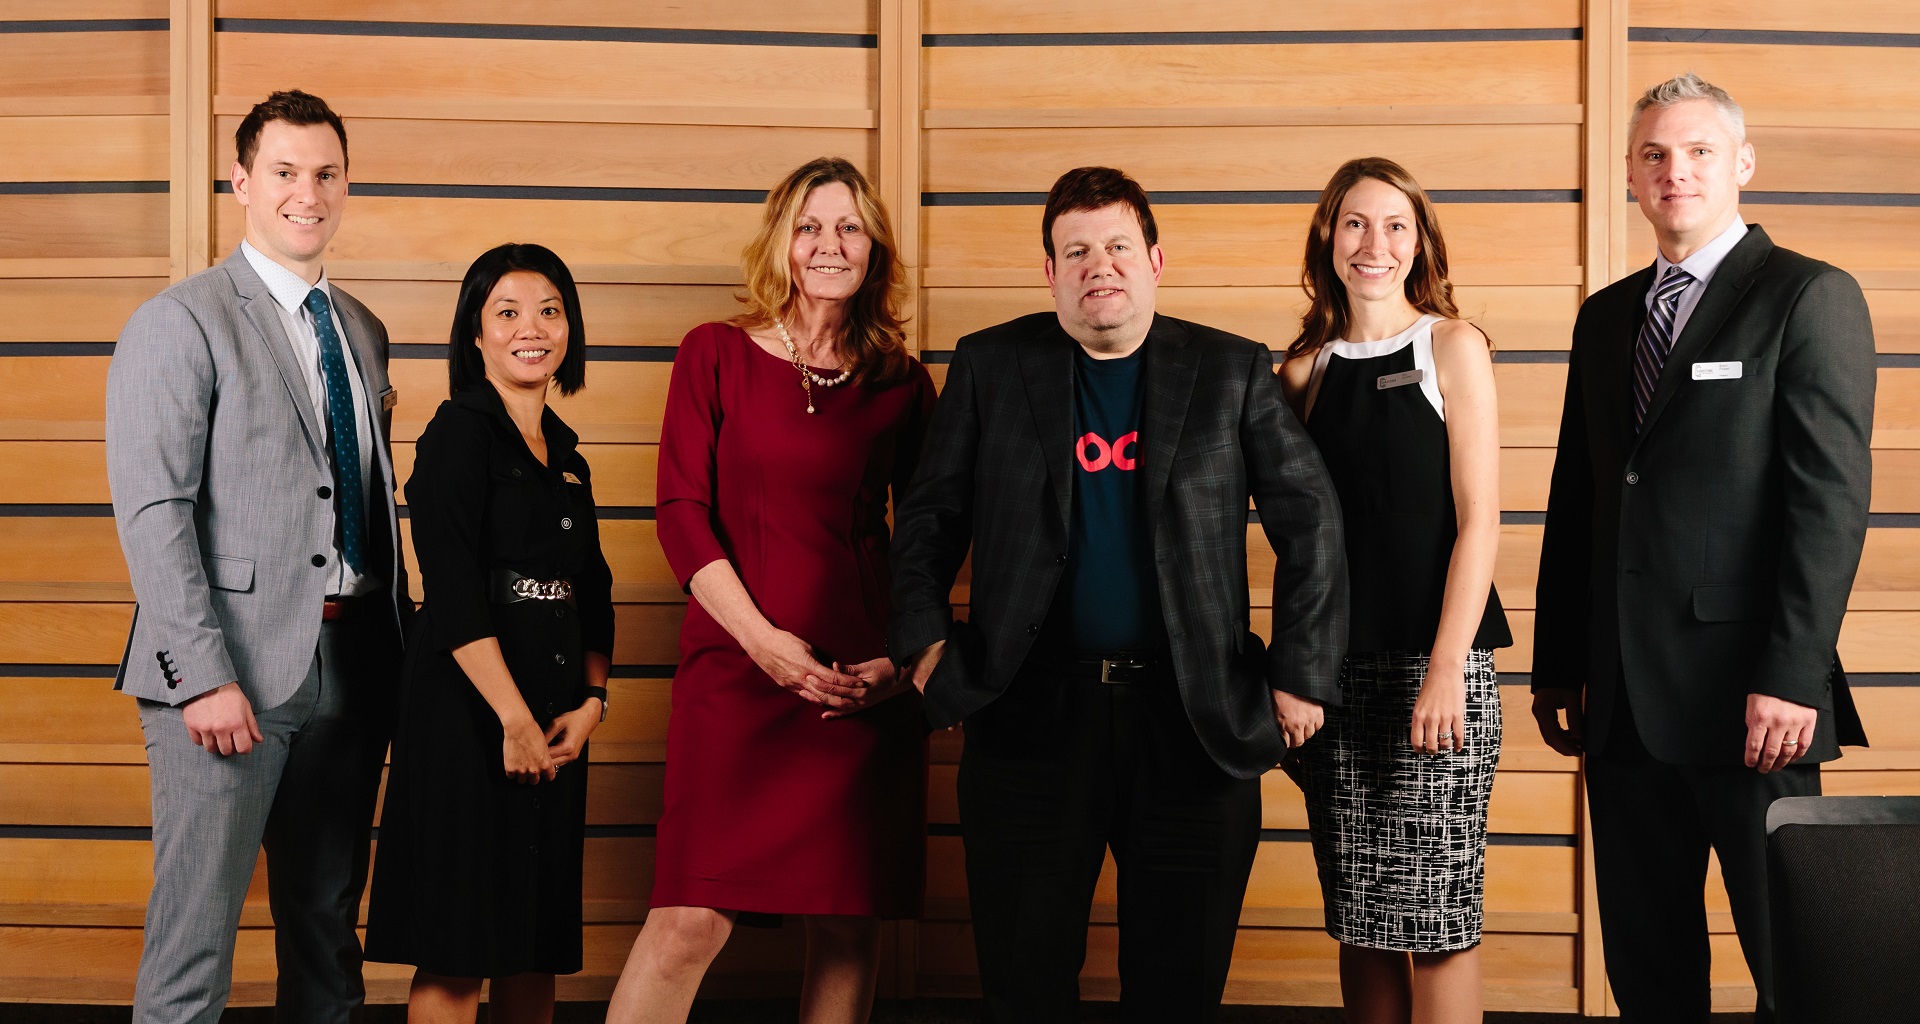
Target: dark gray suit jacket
[
  {"x": 1710, "y": 556},
  {"x": 996, "y": 472}
]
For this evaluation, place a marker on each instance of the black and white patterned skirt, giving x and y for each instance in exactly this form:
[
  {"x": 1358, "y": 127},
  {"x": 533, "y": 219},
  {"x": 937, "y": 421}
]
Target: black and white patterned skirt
[{"x": 1401, "y": 837}]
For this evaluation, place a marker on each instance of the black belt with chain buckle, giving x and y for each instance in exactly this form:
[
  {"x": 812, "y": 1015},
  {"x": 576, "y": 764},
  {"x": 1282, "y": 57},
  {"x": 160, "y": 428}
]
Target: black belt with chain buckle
[{"x": 510, "y": 587}]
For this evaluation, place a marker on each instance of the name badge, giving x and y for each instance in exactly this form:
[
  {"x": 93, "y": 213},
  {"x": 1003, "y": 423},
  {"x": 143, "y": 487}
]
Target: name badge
[
  {"x": 1394, "y": 380},
  {"x": 1716, "y": 371},
  {"x": 570, "y": 478},
  {"x": 390, "y": 399}
]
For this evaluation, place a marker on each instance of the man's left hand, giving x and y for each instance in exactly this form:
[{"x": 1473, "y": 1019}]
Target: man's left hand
[
  {"x": 1778, "y": 731},
  {"x": 1299, "y": 717}
]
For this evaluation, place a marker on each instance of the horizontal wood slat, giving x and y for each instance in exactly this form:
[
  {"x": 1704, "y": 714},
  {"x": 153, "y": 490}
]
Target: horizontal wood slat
[
  {"x": 61, "y": 64},
  {"x": 1013, "y": 16},
  {"x": 840, "y": 16},
  {"x": 125, "y": 147}
]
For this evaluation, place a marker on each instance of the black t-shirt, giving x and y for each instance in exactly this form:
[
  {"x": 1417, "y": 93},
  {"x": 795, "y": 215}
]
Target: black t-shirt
[{"x": 1109, "y": 593}]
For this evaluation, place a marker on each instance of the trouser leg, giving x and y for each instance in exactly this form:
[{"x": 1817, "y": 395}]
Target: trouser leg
[
  {"x": 1185, "y": 838},
  {"x": 317, "y": 834},
  {"x": 1732, "y": 804},
  {"x": 209, "y": 814},
  {"x": 1650, "y": 864},
  {"x": 1035, "y": 800}
]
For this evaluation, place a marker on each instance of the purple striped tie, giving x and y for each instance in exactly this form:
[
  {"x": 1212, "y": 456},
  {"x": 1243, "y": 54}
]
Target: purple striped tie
[{"x": 1656, "y": 340}]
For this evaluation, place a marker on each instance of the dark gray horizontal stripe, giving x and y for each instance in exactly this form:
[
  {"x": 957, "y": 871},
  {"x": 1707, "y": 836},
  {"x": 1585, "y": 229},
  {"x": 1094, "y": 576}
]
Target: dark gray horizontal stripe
[
  {"x": 21, "y": 670},
  {"x": 1411, "y": 35},
  {"x": 572, "y": 193},
  {"x": 1284, "y": 197},
  {"x": 643, "y": 671},
  {"x": 1522, "y": 518},
  {"x": 80, "y": 188},
  {"x": 609, "y": 832},
  {"x": 941, "y": 358},
  {"x": 595, "y": 353},
  {"x": 1770, "y": 37},
  {"x": 1899, "y": 360},
  {"x": 101, "y": 511},
  {"x": 562, "y": 33},
  {"x": 1502, "y": 356},
  {"x": 1893, "y": 520},
  {"x": 124, "y": 833},
  {"x": 56, "y": 348},
  {"x": 88, "y": 25},
  {"x": 1829, "y": 198}
]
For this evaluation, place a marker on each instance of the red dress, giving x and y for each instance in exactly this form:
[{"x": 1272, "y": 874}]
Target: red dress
[{"x": 769, "y": 807}]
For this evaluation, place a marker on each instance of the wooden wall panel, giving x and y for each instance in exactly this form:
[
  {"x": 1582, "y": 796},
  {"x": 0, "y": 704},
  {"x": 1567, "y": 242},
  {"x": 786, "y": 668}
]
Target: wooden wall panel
[
  {"x": 58, "y": 65},
  {"x": 1865, "y": 80},
  {"x": 130, "y": 147},
  {"x": 91, "y": 309},
  {"x": 838, "y": 16},
  {"x": 1780, "y": 15},
  {"x": 1013, "y": 16},
  {"x": 421, "y": 312},
  {"x": 64, "y": 227}
]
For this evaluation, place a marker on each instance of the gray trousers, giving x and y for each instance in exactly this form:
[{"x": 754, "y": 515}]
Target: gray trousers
[{"x": 306, "y": 792}]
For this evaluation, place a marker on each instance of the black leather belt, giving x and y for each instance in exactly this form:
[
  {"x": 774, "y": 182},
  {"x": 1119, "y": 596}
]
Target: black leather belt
[
  {"x": 510, "y": 587},
  {"x": 1112, "y": 667}
]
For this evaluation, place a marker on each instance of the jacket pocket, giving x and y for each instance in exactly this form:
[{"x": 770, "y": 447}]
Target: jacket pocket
[
  {"x": 1731, "y": 602},
  {"x": 225, "y": 572}
]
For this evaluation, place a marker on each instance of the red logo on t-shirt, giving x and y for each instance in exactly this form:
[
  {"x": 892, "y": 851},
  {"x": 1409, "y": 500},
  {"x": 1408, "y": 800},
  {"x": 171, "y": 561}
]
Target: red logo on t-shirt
[{"x": 1105, "y": 454}]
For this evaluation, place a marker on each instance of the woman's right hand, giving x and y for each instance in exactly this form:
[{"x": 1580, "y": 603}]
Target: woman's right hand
[
  {"x": 525, "y": 753},
  {"x": 789, "y": 661}
]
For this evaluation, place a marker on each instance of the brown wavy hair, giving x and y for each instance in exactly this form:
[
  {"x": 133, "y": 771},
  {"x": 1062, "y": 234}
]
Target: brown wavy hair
[
  {"x": 874, "y": 347},
  {"x": 1427, "y": 286}
]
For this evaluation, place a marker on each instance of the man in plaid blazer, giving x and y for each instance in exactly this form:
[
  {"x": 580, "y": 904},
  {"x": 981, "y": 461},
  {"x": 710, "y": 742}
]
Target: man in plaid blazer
[{"x": 1099, "y": 461}]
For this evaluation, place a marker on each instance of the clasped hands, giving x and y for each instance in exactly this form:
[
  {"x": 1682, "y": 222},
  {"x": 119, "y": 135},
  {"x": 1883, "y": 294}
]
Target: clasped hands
[
  {"x": 842, "y": 689},
  {"x": 532, "y": 755}
]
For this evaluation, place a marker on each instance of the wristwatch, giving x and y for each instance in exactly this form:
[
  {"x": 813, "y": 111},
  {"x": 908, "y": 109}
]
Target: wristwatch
[{"x": 600, "y": 692}]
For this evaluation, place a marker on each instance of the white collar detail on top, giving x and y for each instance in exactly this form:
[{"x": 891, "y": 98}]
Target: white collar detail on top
[{"x": 1419, "y": 334}]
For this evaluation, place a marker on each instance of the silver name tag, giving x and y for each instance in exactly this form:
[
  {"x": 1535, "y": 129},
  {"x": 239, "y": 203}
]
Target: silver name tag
[
  {"x": 1394, "y": 380},
  {"x": 1716, "y": 371}
]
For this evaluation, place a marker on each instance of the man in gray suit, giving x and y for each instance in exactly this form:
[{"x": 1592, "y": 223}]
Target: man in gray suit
[{"x": 247, "y": 416}]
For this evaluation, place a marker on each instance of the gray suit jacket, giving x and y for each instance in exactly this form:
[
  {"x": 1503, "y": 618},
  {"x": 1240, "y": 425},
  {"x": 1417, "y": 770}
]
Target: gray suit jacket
[{"x": 217, "y": 463}]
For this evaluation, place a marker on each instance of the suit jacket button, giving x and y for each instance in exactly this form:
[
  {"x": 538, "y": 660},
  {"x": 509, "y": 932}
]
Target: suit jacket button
[
  {"x": 1033, "y": 627},
  {"x": 566, "y": 523},
  {"x": 325, "y": 491},
  {"x": 1062, "y": 560},
  {"x": 559, "y": 659},
  {"x": 319, "y": 560},
  {"x": 1632, "y": 477}
]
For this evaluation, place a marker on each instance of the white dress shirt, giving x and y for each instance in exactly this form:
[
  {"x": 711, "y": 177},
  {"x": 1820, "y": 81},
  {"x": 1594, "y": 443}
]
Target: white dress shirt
[
  {"x": 1701, "y": 265},
  {"x": 289, "y": 293}
]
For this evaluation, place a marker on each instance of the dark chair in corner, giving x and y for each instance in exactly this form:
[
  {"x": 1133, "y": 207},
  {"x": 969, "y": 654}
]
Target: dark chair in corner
[{"x": 1845, "y": 878}]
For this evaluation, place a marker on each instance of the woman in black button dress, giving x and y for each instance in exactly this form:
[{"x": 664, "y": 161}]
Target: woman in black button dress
[
  {"x": 1397, "y": 392},
  {"x": 478, "y": 871}
]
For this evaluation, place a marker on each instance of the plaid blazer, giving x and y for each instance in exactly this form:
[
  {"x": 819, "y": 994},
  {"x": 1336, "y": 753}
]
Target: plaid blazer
[{"x": 995, "y": 474}]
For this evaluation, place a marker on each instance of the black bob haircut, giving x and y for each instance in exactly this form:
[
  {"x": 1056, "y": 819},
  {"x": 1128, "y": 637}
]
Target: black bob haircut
[{"x": 465, "y": 367}]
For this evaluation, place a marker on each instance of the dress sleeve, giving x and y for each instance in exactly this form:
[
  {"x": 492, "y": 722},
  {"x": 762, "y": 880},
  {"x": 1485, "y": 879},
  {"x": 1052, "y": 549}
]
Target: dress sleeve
[
  {"x": 593, "y": 585},
  {"x": 689, "y": 437},
  {"x": 446, "y": 503}
]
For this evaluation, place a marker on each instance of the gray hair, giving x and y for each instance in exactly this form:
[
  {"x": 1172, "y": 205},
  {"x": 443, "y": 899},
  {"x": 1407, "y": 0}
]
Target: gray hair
[{"x": 1690, "y": 86}]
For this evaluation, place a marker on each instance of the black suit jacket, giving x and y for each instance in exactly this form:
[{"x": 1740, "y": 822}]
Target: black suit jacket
[
  {"x": 1710, "y": 556},
  {"x": 996, "y": 471}
]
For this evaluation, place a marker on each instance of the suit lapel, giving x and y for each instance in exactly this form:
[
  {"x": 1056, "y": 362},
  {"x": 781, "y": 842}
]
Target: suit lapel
[
  {"x": 1046, "y": 364},
  {"x": 264, "y": 313},
  {"x": 1724, "y": 292},
  {"x": 1172, "y": 366}
]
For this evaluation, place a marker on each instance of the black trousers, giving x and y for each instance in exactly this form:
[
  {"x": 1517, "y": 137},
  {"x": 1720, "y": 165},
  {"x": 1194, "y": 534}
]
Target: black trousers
[
  {"x": 1055, "y": 772},
  {"x": 1653, "y": 824}
]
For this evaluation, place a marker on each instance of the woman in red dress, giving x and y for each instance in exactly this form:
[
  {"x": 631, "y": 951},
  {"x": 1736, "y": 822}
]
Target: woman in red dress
[{"x": 796, "y": 760}]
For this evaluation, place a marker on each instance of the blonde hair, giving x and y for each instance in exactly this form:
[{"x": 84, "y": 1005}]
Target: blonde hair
[
  {"x": 1681, "y": 88},
  {"x": 1427, "y": 287},
  {"x": 874, "y": 347}
]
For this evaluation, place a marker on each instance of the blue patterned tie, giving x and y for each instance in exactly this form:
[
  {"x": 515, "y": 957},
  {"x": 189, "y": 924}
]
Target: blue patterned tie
[
  {"x": 1656, "y": 341},
  {"x": 344, "y": 432}
]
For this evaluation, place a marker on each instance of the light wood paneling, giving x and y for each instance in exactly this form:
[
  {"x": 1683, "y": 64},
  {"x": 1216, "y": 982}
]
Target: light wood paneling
[
  {"x": 1896, "y": 319},
  {"x": 54, "y": 472},
  {"x": 104, "y": 148},
  {"x": 1334, "y": 74},
  {"x": 34, "y": 10},
  {"x": 1779, "y": 15},
  {"x": 88, "y": 309},
  {"x": 421, "y": 312},
  {"x": 470, "y": 70},
  {"x": 1291, "y": 158},
  {"x": 993, "y": 16},
  {"x": 111, "y": 226},
  {"x": 1833, "y": 159},
  {"x": 839, "y": 16},
  {"x": 401, "y": 150},
  {"x": 62, "y": 64},
  {"x": 1854, "y": 238},
  {"x": 1867, "y": 79}
]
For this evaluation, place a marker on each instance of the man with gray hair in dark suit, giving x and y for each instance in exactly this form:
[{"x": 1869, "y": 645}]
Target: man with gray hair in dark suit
[
  {"x": 1099, "y": 460},
  {"x": 247, "y": 417},
  {"x": 1708, "y": 509}
]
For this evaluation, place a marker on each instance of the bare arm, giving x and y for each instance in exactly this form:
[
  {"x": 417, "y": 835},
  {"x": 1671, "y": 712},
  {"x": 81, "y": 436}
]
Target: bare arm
[
  {"x": 786, "y": 658},
  {"x": 1464, "y": 369}
]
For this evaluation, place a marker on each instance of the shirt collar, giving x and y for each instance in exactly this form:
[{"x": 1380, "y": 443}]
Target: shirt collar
[
  {"x": 1701, "y": 265},
  {"x": 286, "y": 287}
]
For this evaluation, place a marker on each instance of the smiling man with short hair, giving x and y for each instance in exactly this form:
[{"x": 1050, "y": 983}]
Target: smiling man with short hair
[{"x": 1099, "y": 460}]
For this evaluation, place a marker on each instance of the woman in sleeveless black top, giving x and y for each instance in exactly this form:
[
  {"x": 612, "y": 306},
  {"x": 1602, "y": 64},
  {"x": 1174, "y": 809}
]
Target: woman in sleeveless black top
[{"x": 1398, "y": 393}]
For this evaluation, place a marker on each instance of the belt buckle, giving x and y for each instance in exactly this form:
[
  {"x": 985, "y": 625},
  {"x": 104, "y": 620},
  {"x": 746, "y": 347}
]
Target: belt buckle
[{"x": 1107, "y": 665}]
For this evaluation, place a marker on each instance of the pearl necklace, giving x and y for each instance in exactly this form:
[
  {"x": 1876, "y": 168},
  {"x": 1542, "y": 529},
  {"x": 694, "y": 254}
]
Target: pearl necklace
[{"x": 808, "y": 378}]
